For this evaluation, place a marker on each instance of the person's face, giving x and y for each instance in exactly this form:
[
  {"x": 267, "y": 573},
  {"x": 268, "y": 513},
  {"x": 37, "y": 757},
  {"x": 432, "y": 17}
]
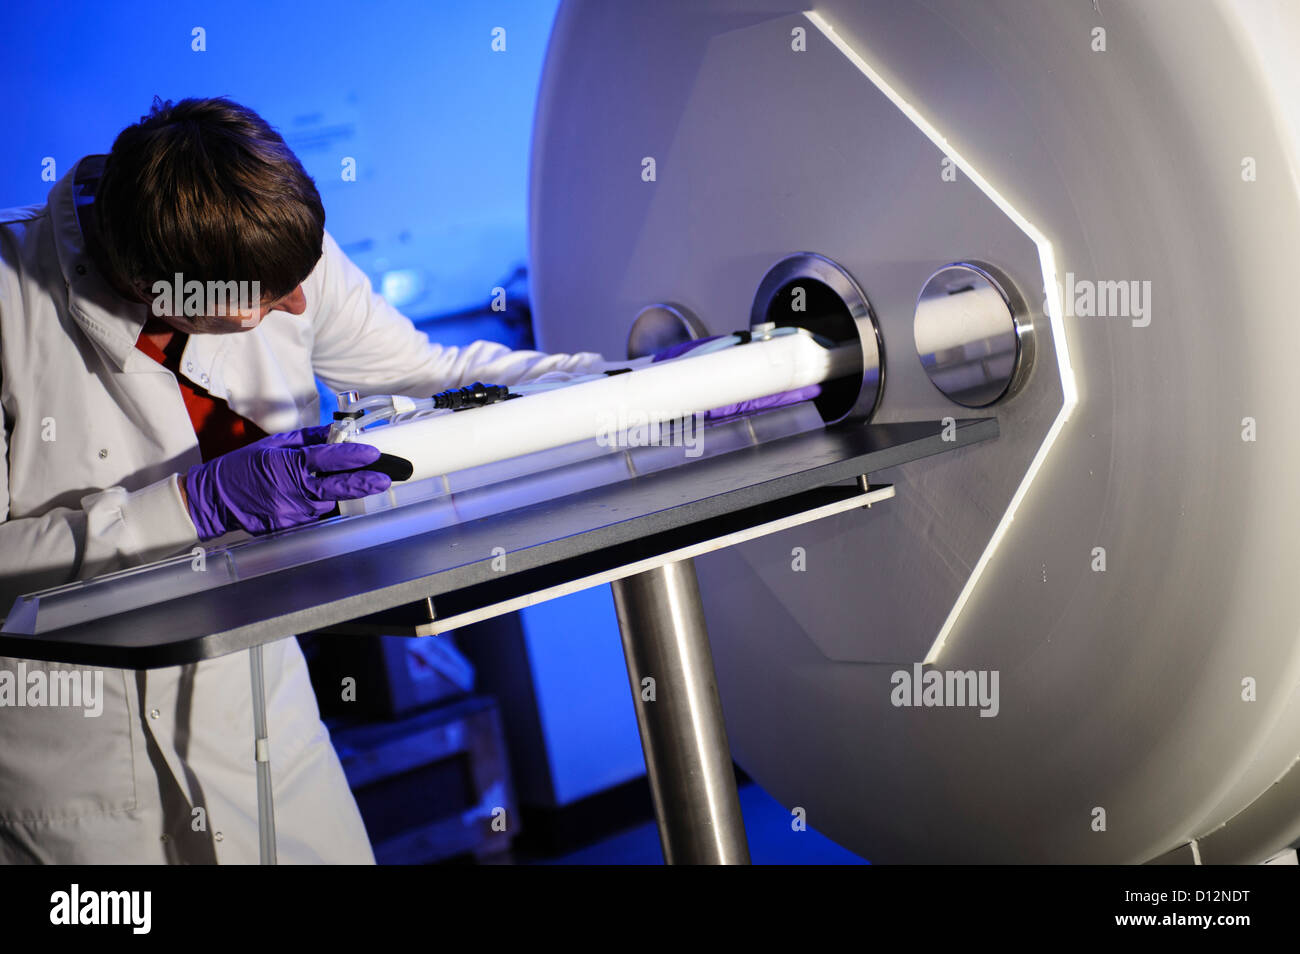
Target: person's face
[{"x": 233, "y": 320}]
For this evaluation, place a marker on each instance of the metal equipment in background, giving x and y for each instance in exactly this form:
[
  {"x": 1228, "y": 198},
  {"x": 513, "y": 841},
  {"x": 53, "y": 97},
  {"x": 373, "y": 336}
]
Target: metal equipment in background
[{"x": 1100, "y": 201}]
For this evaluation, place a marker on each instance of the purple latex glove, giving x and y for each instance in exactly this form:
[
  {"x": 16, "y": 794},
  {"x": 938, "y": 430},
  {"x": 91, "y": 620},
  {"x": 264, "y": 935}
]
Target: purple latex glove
[
  {"x": 277, "y": 482},
  {"x": 767, "y": 403}
]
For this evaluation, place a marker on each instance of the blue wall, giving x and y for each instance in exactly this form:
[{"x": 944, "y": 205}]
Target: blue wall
[
  {"x": 584, "y": 699},
  {"x": 437, "y": 122}
]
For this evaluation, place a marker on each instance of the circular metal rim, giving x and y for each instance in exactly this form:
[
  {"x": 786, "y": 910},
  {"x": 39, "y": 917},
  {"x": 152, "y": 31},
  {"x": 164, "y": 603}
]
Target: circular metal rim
[
  {"x": 1021, "y": 329},
  {"x": 834, "y": 276},
  {"x": 690, "y": 325}
]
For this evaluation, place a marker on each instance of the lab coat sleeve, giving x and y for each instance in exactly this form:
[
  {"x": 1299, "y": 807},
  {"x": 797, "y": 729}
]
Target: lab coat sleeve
[
  {"x": 112, "y": 529},
  {"x": 363, "y": 343}
]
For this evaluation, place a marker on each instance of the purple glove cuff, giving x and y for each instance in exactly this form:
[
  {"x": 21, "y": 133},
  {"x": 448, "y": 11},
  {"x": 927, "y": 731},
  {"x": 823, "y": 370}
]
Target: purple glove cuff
[{"x": 201, "y": 502}]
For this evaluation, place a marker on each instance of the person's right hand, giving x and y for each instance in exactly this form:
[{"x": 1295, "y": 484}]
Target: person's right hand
[
  {"x": 280, "y": 481},
  {"x": 771, "y": 401}
]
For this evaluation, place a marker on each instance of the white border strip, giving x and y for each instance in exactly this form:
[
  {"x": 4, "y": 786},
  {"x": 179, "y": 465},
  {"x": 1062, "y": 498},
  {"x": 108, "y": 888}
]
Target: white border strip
[{"x": 1052, "y": 292}]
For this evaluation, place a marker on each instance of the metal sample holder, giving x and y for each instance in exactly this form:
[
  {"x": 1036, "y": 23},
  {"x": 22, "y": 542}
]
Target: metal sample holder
[{"x": 434, "y": 565}]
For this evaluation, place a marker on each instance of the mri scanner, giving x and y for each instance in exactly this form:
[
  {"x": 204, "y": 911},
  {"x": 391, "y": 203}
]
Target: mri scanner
[
  {"x": 1124, "y": 555},
  {"x": 1037, "y": 258}
]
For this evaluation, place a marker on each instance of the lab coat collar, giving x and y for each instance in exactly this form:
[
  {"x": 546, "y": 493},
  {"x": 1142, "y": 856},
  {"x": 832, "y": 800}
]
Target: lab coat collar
[{"x": 111, "y": 322}]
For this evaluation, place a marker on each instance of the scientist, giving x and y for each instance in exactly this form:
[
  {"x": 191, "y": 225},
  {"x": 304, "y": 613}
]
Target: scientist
[{"x": 139, "y": 421}]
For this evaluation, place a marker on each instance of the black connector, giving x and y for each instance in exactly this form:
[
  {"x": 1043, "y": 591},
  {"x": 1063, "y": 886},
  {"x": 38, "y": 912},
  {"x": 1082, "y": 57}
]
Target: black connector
[
  {"x": 472, "y": 395},
  {"x": 397, "y": 468}
]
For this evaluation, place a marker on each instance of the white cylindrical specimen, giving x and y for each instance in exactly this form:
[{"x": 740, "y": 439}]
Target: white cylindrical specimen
[{"x": 604, "y": 408}]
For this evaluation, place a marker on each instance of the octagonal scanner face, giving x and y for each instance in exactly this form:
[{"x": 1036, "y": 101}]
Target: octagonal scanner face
[{"x": 776, "y": 154}]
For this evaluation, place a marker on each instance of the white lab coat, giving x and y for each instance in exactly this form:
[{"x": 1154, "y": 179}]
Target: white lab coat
[{"x": 94, "y": 435}]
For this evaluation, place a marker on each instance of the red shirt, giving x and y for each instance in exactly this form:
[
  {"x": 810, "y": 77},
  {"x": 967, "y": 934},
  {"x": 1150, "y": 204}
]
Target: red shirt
[{"x": 218, "y": 428}]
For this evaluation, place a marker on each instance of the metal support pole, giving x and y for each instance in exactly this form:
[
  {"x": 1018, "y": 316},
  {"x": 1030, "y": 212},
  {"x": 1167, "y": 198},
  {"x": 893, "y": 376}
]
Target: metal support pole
[
  {"x": 687, "y": 758},
  {"x": 262, "y": 754}
]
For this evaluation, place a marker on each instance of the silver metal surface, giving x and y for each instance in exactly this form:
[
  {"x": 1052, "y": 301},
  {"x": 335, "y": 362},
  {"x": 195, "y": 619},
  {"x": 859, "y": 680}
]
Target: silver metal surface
[
  {"x": 434, "y": 625},
  {"x": 966, "y": 335},
  {"x": 1162, "y": 155},
  {"x": 810, "y": 291},
  {"x": 317, "y": 576},
  {"x": 661, "y": 326},
  {"x": 408, "y": 509},
  {"x": 688, "y": 762}
]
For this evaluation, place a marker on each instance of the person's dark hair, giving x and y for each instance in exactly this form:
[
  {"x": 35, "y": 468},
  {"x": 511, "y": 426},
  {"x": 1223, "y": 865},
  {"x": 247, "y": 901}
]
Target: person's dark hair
[{"x": 207, "y": 188}]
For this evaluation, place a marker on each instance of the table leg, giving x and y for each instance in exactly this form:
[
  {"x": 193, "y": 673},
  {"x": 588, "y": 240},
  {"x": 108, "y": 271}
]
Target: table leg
[
  {"x": 687, "y": 759},
  {"x": 262, "y": 754}
]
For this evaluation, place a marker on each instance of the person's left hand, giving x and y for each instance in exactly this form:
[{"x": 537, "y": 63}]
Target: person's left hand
[{"x": 768, "y": 403}]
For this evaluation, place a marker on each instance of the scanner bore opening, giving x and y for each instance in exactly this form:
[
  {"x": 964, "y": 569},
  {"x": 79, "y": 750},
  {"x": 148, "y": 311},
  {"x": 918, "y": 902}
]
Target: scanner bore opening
[{"x": 812, "y": 292}]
